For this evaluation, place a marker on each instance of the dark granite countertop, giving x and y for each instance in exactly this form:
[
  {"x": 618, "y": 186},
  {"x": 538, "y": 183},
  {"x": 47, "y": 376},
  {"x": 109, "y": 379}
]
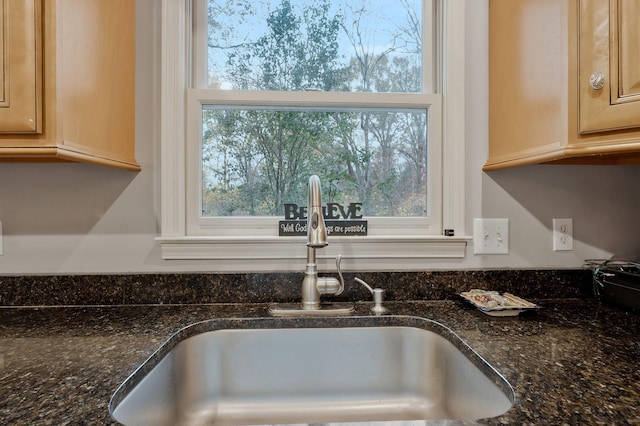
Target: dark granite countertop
[{"x": 574, "y": 362}]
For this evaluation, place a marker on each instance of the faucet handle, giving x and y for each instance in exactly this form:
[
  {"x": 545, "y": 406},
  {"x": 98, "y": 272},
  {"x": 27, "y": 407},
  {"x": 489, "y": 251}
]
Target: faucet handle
[{"x": 338, "y": 261}]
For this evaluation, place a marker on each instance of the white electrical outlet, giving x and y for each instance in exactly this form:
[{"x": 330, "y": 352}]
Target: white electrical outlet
[
  {"x": 562, "y": 234},
  {"x": 490, "y": 236}
]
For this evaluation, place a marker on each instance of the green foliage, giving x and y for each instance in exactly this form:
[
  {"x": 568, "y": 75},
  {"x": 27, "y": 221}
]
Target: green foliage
[{"x": 257, "y": 159}]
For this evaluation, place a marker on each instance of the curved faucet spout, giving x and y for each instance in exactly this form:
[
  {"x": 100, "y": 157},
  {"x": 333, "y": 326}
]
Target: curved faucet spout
[
  {"x": 316, "y": 230},
  {"x": 313, "y": 287}
]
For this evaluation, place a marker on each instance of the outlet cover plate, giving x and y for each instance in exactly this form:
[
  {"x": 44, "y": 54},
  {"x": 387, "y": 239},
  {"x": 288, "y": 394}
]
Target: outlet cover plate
[
  {"x": 562, "y": 234},
  {"x": 490, "y": 236}
]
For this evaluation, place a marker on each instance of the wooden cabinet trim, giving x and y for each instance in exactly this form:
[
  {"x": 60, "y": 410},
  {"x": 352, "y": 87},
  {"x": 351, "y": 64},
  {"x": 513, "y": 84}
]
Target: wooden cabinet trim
[
  {"x": 602, "y": 32},
  {"x": 21, "y": 107}
]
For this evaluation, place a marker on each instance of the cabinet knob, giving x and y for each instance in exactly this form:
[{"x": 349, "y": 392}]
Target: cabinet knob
[{"x": 597, "y": 80}]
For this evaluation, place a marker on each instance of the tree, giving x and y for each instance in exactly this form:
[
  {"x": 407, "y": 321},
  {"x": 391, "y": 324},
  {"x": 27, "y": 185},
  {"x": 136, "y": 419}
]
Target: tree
[
  {"x": 298, "y": 51},
  {"x": 264, "y": 155}
]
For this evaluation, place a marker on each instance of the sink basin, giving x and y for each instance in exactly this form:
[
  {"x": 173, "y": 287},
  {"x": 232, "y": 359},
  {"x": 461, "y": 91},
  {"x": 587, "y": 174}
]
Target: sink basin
[{"x": 337, "y": 370}]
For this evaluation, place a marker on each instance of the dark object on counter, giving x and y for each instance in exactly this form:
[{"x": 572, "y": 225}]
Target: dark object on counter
[{"x": 618, "y": 282}]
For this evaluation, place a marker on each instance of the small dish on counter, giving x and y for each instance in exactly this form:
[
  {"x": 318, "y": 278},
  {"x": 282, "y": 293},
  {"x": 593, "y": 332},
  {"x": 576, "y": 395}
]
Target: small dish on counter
[{"x": 496, "y": 304}]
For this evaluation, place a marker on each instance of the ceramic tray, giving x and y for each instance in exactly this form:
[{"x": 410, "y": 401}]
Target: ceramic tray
[{"x": 496, "y": 304}]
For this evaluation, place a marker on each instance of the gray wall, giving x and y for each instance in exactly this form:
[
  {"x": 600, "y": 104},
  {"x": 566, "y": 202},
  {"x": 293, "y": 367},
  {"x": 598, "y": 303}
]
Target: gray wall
[{"x": 75, "y": 218}]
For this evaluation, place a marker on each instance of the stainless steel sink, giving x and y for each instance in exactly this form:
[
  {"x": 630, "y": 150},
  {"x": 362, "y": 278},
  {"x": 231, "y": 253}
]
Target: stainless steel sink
[{"x": 339, "y": 370}]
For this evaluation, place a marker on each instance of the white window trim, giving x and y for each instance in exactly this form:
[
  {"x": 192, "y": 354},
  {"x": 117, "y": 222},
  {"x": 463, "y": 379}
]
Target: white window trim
[
  {"x": 267, "y": 226},
  {"x": 272, "y": 253}
]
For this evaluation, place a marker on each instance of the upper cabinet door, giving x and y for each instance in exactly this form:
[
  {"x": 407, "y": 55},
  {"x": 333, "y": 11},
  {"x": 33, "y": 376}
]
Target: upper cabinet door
[
  {"x": 609, "y": 65},
  {"x": 21, "y": 67}
]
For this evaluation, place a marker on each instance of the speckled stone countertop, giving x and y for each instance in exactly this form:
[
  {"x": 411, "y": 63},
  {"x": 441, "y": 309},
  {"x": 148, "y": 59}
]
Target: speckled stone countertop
[{"x": 573, "y": 362}]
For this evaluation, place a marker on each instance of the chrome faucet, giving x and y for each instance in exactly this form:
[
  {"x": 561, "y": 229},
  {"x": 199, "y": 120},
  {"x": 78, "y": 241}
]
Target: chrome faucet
[{"x": 312, "y": 285}]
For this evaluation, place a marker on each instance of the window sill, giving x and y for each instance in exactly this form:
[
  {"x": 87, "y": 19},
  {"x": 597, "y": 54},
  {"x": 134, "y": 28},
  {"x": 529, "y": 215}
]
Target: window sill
[{"x": 271, "y": 254}]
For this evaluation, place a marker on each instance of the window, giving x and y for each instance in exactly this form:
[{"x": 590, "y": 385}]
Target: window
[{"x": 257, "y": 96}]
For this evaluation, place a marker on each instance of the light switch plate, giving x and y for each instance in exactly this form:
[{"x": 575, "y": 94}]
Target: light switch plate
[
  {"x": 490, "y": 236},
  {"x": 1, "y": 250}
]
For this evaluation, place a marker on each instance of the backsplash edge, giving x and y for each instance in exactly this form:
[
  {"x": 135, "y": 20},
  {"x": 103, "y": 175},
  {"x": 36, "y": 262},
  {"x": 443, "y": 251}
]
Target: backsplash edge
[{"x": 206, "y": 288}]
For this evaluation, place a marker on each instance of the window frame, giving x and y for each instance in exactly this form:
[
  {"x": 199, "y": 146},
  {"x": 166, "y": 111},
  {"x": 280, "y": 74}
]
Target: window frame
[
  {"x": 268, "y": 226},
  {"x": 245, "y": 251}
]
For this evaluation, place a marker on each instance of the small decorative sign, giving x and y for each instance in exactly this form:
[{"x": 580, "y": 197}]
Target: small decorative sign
[{"x": 338, "y": 219}]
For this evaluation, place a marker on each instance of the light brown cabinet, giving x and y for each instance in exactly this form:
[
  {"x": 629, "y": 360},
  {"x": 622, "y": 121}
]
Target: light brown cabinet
[
  {"x": 564, "y": 82},
  {"x": 609, "y": 54},
  {"x": 68, "y": 90},
  {"x": 20, "y": 70}
]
